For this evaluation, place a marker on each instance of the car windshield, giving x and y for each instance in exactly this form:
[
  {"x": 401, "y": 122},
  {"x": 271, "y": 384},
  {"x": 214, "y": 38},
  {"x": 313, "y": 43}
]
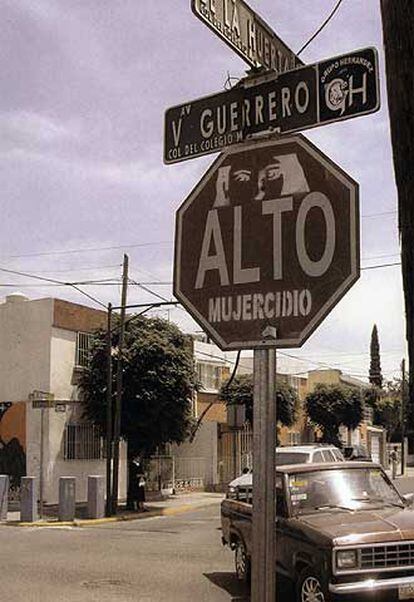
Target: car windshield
[
  {"x": 283, "y": 458},
  {"x": 345, "y": 489}
]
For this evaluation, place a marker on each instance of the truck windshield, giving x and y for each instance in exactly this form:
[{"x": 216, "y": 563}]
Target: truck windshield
[
  {"x": 284, "y": 458},
  {"x": 344, "y": 489}
]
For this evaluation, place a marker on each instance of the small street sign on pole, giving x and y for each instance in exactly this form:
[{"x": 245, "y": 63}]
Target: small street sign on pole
[
  {"x": 246, "y": 33},
  {"x": 332, "y": 90},
  {"x": 41, "y": 399}
]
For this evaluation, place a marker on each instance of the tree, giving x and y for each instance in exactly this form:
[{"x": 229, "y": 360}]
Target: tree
[
  {"x": 240, "y": 392},
  {"x": 158, "y": 382},
  {"x": 375, "y": 374},
  {"x": 388, "y": 410},
  {"x": 332, "y": 406},
  {"x": 397, "y": 20}
]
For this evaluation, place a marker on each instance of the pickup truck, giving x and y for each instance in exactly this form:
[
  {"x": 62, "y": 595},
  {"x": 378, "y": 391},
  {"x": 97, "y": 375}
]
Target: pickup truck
[{"x": 342, "y": 531}]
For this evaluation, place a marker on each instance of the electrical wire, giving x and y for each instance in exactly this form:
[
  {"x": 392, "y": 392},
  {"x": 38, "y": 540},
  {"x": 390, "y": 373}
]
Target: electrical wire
[
  {"x": 88, "y": 249},
  {"x": 53, "y": 281},
  {"x": 148, "y": 290},
  {"x": 324, "y": 24},
  {"x": 383, "y": 265},
  {"x": 379, "y": 214},
  {"x": 132, "y": 246}
]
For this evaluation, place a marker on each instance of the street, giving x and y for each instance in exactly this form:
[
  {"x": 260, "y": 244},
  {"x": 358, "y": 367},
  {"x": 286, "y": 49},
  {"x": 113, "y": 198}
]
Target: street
[
  {"x": 178, "y": 558},
  {"x": 170, "y": 558}
]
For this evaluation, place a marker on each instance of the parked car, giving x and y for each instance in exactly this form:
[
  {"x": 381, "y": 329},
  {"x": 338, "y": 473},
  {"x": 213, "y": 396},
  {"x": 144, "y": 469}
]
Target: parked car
[
  {"x": 342, "y": 530},
  {"x": 356, "y": 452},
  {"x": 295, "y": 454},
  {"x": 300, "y": 454}
]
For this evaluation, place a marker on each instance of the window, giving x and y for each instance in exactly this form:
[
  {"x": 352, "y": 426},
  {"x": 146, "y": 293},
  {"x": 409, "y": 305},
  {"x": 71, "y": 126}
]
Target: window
[
  {"x": 83, "y": 345},
  {"x": 209, "y": 375},
  {"x": 283, "y": 458},
  {"x": 318, "y": 457},
  {"x": 368, "y": 415},
  {"x": 327, "y": 456},
  {"x": 338, "y": 456},
  {"x": 83, "y": 442}
]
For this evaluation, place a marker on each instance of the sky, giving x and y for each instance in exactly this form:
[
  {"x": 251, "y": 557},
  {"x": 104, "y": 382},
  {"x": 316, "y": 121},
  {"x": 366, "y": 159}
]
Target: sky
[{"x": 85, "y": 84}]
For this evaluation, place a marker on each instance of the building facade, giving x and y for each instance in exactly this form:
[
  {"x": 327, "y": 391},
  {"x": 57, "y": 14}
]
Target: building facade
[{"x": 45, "y": 346}]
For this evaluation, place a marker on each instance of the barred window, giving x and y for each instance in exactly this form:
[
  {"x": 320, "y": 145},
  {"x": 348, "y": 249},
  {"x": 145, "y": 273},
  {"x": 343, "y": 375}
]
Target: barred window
[
  {"x": 83, "y": 442},
  {"x": 83, "y": 345}
]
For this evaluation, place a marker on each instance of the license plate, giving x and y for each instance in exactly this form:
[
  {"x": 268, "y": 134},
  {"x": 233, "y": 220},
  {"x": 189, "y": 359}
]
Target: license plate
[{"x": 406, "y": 592}]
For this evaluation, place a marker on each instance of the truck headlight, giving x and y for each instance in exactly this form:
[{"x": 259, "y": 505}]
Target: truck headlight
[{"x": 346, "y": 559}]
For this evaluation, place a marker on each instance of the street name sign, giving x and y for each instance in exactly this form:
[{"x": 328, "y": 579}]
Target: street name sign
[
  {"x": 41, "y": 399},
  {"x": 332, "y": 90},
  {"x": 246, "y": 33},
  {"x": 266, "y": 244}
]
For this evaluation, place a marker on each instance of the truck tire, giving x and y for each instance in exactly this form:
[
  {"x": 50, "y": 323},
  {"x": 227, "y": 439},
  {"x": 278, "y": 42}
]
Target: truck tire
[
  {"x": 310, "y": 587},
  {"x": 241, "y": 562}
]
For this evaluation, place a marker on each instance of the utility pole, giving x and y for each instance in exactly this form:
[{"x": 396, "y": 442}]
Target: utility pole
[
  {"x": 403, "y": 416},
  {"x": 263, "y": 587},
  {"x": 118, "y": 399},
  {"x": 397, "y": 23},
  {"x": 108, "y": 508},
  {"x": 42, "y": 462}
]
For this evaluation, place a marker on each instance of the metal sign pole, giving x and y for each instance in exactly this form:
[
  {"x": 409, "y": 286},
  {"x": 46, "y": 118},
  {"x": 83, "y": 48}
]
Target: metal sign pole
[{"x": 263, "y": 586}]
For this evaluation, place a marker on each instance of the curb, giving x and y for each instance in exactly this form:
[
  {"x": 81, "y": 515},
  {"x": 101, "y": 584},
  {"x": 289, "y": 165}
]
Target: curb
[{"x": 90, "y": 522}]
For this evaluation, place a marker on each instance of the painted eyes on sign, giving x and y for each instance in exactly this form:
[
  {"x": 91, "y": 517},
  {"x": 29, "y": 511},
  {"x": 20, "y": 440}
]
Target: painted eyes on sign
[
  {"x": 273, "y": 171},
  {"x": 242, "y": 175}
]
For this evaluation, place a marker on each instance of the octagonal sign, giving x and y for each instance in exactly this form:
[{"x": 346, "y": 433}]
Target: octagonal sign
[{"x": 266, "y": 244}]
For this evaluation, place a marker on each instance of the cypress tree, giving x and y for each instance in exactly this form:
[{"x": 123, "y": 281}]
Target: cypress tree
[{"x": 375, "y": 375}]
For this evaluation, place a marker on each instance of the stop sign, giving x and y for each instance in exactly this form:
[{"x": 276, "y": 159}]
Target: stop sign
[{"x": 266, "y": 244}]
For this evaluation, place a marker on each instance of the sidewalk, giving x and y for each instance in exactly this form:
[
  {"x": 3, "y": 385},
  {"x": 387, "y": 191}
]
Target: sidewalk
[
  {"x": 174, "y": 504},
  {"x": 409, "y": 473}
]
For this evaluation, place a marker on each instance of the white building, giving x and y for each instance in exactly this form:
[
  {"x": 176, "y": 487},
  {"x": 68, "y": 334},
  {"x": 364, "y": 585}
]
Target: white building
[{"x": 43, "y": 348}]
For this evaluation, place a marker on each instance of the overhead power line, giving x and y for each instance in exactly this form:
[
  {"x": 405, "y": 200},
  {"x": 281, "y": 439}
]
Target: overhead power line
[
  {"x": 89, "y": 249},
  {"x": 324, "y": 24},
  {"x": 53, "y": 281},
  {"x": 148, "y": 290},
  {"x": 382, "y": 265}
]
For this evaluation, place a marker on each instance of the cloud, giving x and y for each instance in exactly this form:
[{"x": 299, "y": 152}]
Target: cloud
[{"x": 30, "y": 130}]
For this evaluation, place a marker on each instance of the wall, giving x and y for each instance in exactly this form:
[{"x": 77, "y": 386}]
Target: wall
[
  {"x": 216, "y": 413},
  {"x": 71, "y": 316},
  {"x": 203, "y": 447},
  {"x": 323, "y": 377},
  {"x": 36, "y": 355},
  {"x": 63, "y": 350},
  {"x": 25, "y": 327},
  {"x": 13, "y": 441}
]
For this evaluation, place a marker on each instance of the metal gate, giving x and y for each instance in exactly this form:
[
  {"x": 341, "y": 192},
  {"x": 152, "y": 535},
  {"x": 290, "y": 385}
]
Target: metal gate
[{"x": 235, "y": 453}]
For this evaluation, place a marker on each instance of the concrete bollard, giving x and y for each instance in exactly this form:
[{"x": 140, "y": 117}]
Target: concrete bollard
[
  {"x": 67, "y": 497},
  {"x": 28, "y": 500},
  {"x": 96, "y": 496},
  {"x": 4, "y": 496}
]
